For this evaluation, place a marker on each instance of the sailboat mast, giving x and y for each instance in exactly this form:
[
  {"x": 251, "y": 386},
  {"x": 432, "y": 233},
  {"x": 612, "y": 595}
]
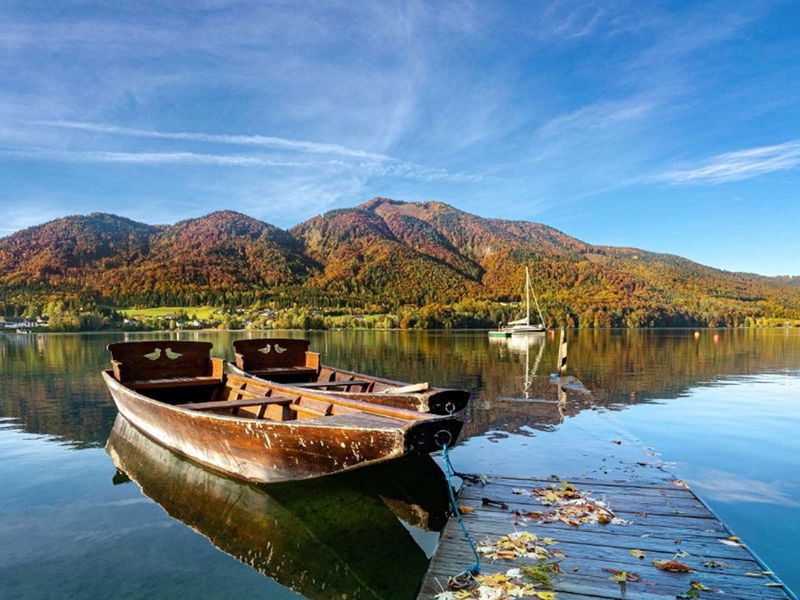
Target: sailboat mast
[{"x": 527, "y": 296}]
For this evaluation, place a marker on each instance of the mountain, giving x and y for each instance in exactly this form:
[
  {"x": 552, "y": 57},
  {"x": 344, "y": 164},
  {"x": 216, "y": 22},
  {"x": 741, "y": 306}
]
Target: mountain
[
  {"x": 115, "y": 257},
  {"x": 383, "y": 251},
  {"x": 68, "y": 249},
  {"x": 595, "y": 285}
]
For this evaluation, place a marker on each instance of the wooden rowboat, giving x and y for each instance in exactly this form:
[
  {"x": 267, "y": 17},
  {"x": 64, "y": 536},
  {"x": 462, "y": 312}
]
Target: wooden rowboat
[
  {"x": 175, "y": 393},
  {"x": 287, "y": 360},
  {"x": 349, "y": 523}
]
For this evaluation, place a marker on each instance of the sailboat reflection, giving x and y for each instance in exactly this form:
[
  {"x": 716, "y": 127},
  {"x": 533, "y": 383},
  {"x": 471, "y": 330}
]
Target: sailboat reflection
[
  {"x": 534, "y": 402},
  {"x": 335, "y": 537},
  {"x": 523, "y": 345}
]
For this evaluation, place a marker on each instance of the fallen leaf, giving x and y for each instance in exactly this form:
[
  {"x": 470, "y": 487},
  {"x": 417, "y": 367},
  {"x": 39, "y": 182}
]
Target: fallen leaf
[
  {"x": 751, "y": 574},
  {"x": 673, "y": 565},
  {"x": 679, "y": 483},
  {"x": 546, "y": 595},
  {"x": 730, "y": 543},
  {"x": 466, "y": 509},
  {"x": 681, "y": 554},
  {"x": 558, "y": 554},
  {"x": 621, "y": 577},
  {"x": 677, "y": 541},
  {"x": 636, "y": 553},
  {"x": 735, "y": 538},
  {"x": 629, "y": 575},
  {"x": 768, "y": 573},
  {"x": 774, "y": 584},
  {"x": 447, "y": 595},
  {"x": 700, "y": 587},
  {"x": 513, "y": 573},
  {"x": 517, "y": 491},
  {"x": 714, "y": 564},
  {"x": 490, "y": 593}
]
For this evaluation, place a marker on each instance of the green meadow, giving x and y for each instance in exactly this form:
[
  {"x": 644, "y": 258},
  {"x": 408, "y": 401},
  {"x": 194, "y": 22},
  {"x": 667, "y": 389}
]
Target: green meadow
[{"x": 201, "y": 312}]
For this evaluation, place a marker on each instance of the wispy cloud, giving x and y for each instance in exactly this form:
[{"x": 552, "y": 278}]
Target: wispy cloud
[
  {"x": 742, "y": 164},
  {"x": 366, "y": 168},
  {"x": 154, "y": 158},
  {"x": 243, "y": 140}
]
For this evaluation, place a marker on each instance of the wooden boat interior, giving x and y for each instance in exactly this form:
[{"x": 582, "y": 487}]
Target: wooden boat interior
[
  {"x": 287, "y": 360},
  {"x": 183, "y": 374},
  {"x": 277, "y": 359}
]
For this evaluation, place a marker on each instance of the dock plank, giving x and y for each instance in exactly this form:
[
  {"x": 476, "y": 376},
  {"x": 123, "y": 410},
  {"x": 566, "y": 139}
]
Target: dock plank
[{"x": 664, "y": 519}]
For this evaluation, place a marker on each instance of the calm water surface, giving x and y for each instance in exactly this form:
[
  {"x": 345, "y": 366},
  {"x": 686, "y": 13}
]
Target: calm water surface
[{"x": 89, "y": 509}]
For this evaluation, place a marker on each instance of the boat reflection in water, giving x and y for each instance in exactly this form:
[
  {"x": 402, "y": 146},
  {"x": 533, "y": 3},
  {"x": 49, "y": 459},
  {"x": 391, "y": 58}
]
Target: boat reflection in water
[
  {"x": 529, "y": 400},
  {"x": 336, "y": 537}
]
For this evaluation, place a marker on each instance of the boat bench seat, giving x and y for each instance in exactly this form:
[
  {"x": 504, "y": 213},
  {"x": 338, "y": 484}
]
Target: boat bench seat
[
  {"x": 326, "y": 384},
  {"x": 172, "y": 382},
  {"x": 284, "y": 372},
  {"x": 308, "y": 412},
  {"x": 275, "y": 409},
  {"x": 215, "y": 405}
]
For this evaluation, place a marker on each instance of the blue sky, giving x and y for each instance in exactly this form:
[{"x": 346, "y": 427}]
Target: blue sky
[{"x": 668, "y": 126}]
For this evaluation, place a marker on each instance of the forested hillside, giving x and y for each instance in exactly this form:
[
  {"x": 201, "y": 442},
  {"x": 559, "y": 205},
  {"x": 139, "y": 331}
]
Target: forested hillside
[{"x": 383, "y": 254}]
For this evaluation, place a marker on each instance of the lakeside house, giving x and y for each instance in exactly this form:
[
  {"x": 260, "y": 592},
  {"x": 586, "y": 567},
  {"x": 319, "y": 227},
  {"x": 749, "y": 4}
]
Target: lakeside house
[{"x": 22, "y": 322}]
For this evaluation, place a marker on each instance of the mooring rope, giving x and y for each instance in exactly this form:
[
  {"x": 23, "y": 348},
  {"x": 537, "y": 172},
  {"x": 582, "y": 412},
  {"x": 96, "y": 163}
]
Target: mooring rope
[{"x": 475, "y": 567}]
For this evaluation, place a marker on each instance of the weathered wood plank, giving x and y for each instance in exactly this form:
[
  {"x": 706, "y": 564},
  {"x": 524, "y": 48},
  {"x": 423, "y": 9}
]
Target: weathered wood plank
[
  {"x": 602, "y": 587},
  {"x": 661, "y": 514},
  {"x": 664, "y": 524},
  {"x": 591, "y": 564},
  {"x": 617, "y": 503},
  {"x": 600, "y": 487},
  {"x": 708, "y": 548},
  {"x": 582, "y": 481}
]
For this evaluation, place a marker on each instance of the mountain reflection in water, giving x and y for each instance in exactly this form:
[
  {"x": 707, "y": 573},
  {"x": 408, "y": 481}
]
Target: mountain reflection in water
[
  {"x": 51, "y": 383},
  {"x": 335, "y": 537},
  {"x": 723, "y": 404}
]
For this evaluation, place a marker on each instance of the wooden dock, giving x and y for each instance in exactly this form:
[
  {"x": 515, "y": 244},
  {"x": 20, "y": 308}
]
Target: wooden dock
[{"x": 665, "y": 521}]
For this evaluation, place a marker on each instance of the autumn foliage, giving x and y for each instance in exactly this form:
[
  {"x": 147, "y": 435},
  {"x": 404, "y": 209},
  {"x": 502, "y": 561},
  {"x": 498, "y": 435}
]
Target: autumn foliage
[{"x": 383, "y": 252}]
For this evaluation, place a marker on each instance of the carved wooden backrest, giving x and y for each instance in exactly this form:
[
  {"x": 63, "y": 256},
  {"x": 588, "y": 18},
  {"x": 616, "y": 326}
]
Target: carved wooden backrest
[
  {"x": 160, "y": 359},
  {"x": 270, "y": 352}
]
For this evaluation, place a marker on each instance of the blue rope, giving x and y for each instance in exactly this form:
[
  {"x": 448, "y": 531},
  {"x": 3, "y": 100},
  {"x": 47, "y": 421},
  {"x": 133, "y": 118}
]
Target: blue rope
[{"x": 475, "y": 567}]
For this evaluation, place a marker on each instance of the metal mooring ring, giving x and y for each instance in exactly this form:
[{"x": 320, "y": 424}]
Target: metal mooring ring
[
  {"x": 450, "y": 408},
  {"x": 443, "y": 438}
]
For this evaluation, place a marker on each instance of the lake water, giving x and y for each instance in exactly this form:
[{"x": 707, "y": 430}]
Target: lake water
[{"x": 93, "y": 510}]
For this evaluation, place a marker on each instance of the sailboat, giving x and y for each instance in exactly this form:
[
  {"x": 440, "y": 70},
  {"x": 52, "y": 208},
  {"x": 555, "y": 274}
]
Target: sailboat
[{"x": 524, "y": 326}]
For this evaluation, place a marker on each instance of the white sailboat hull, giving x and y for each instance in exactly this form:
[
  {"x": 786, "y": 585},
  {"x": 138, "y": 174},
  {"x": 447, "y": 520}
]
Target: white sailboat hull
[{"x": 527, "y": 329}]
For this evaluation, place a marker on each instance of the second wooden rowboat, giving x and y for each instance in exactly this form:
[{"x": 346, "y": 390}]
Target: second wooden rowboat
[
  {"x": 288, "y": 360},
  {"x": 178, "y": 395}
]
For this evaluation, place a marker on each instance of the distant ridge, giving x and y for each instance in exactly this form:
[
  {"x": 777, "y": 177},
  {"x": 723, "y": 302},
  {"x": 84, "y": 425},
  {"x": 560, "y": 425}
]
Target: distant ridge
[{"x": 383, "y": 251}]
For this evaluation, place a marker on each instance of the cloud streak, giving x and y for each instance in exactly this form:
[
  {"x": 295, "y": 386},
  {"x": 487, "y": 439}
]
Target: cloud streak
[
  {"x": 242, "y": 140},
  {"x": 367, "y": 168},
  {"x": 735, "y": 166}
]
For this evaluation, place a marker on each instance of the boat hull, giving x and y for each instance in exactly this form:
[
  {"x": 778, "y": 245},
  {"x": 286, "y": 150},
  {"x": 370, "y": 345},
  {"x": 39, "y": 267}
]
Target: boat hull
[
  {"x": 499, "y": 334},
  {"x": 269, "y": 451}
]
